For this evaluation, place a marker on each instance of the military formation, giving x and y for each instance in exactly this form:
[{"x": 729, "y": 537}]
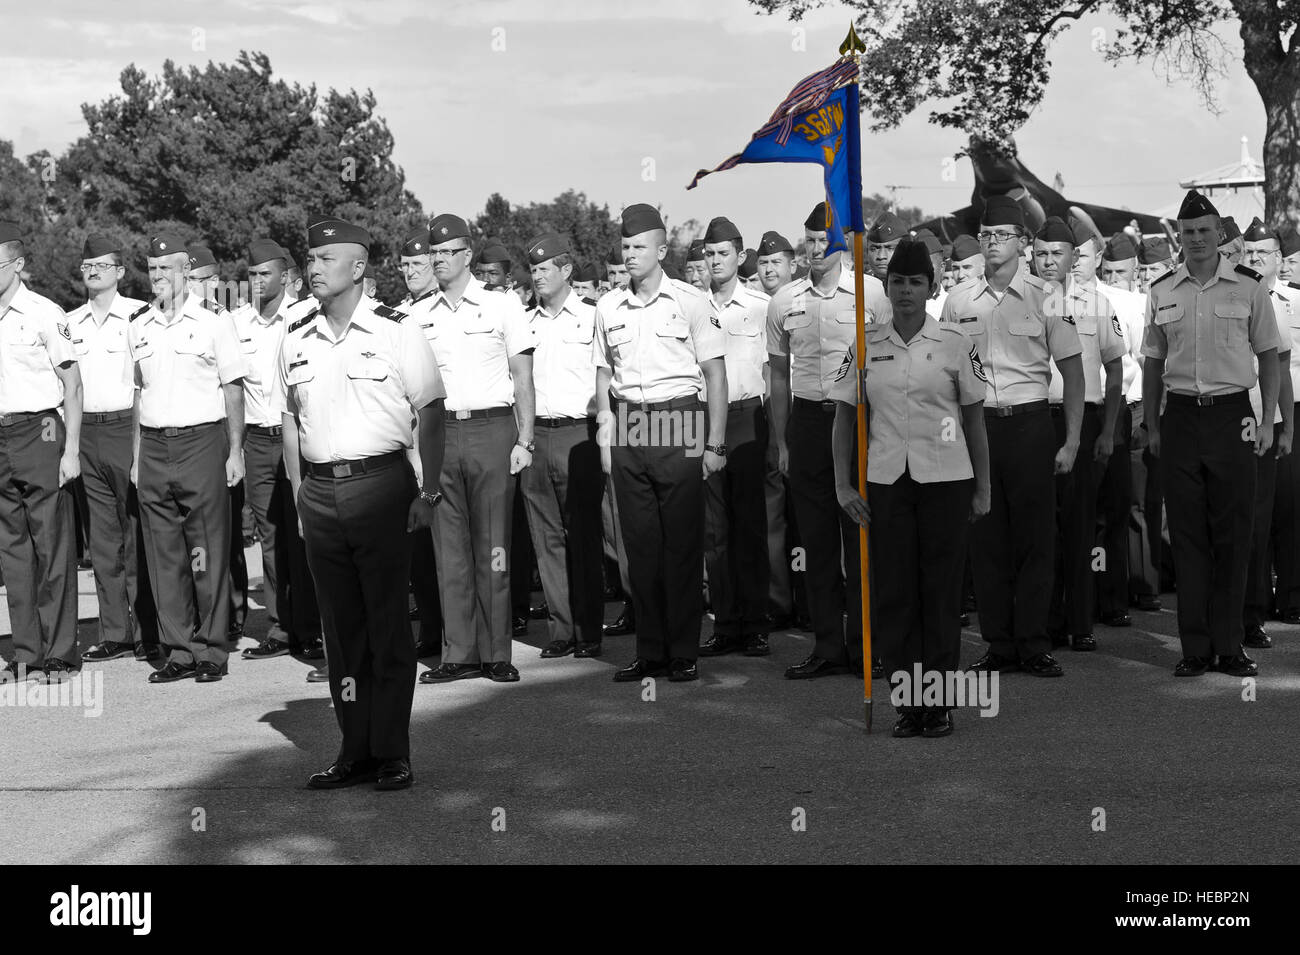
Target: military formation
[{"x": 1041, "y": 406}]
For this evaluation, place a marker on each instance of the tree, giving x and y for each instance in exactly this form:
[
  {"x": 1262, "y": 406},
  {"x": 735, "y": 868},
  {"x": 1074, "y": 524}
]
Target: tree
[
  {"x": 874, "y": 204},
  {"x": 986, "y": 63},
  {"x": 591, "y": 230}
]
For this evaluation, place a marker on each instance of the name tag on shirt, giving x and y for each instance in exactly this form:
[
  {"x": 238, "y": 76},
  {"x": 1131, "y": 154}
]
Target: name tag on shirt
[
  {"x": 882, "y": 357},
  {"x": 968, "y": 318},
  {"x": 297, "y": 364}
]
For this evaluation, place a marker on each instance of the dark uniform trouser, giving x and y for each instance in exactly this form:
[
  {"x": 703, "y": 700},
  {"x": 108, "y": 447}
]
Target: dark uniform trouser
[
  {"x": 1146, "y": 515},
  {"x": 780, "y": 596},
  {"x": 126, "y": 610},
  {"x": 522, "y": 557},
  {"x": 1076, "y": 528},
  {"x": 238, "y": 562},
  {"x": 1114, "y": 500},
  {"x": 918, "y": 549},
  {"x": 471, "y": 539},
  {"x": 264, "y": 479},
  {"x": 830, "y": 538},
  {"x": 37, "y": 552},
  {"x": 1208, "y": 470},
  {"x": 424, "y": 584},
  {"x": 299, "y": 610},
  {"x": 1259, "y": 567},
  {"x": 562, "y": 490},
  {"x": 661, "y": 506},
  {"x": 185, "y": 514},
  {"x": 1286, "y": 532},
  {"x": 1012, "y": 546},
  {"x": 355, "y": 532},
  {"x": 613, "y": 536},
  {"x": 735, "y": 527}
]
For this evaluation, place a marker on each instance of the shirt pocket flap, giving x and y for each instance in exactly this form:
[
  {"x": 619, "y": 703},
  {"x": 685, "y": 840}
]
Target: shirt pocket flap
[
  {"x": 1024, "y": 326},
  {"x": 796, "y": 318},
  {"x": 1232, "y": 310},
  {"x": 1169, "y": 313},
  {"x": 300, "y": 372},
  {"x": 618, "y": 335},
  {"x": 578, "y": 333},
  {"x": 1086, "y": 324},
  {"x": 367, "y": 369}
]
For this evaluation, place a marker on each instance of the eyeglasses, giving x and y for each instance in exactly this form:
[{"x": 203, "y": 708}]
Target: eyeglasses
[
  {"x": 996, "y": 237},
  {"x": 8, "y": 262},
  {"x": 445, "y": 253},
  {"x": 94, "y": 268}
]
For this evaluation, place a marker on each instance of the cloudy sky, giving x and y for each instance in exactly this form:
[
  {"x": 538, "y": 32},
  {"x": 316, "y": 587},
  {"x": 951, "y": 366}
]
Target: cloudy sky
[{"x": 531, "y": 97}]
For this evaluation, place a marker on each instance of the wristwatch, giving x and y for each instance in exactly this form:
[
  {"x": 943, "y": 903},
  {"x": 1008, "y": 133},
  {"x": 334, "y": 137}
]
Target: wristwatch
[
  {"x": 432, "y": 498},
  {"x": 719, "y": 449},
  {"x": 526, "y": 445}
]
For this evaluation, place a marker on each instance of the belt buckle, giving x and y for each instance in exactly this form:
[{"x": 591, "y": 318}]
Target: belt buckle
[
  {"x": 341, "y": 470},
  {"x": 1203, "y": 401},
  {"x": 1005, "y": 411},
  {"x": 462, "y": 415}
]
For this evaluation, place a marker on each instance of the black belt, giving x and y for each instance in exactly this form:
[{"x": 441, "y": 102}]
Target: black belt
[
  {"x": 1088, "y": 406},
  {"x": 345, "y": 469},
  {"x": 1205, "y": 401},
  {"x": 560, "y": 422},
  {"x": 827, "y": 406},
  {"x": 1012, "y": 410},
  {"x": 104, "y": 417},
  {"x": 174, "y": 432},
  {"x": 744, "y": 404},
  {"x": 685, "y": 401},
  {"x": 18, "y": 417},
  {"x": 266, "y": 430},
  {"x": 479, "y": 413}
]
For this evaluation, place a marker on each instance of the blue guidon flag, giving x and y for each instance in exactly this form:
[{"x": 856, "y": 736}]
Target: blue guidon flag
[{"x": 817, "y": 123}]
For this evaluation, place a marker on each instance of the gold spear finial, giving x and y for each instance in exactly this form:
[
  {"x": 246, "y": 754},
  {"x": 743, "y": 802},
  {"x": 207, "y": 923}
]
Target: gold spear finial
[{"x": 852, "y": 45}]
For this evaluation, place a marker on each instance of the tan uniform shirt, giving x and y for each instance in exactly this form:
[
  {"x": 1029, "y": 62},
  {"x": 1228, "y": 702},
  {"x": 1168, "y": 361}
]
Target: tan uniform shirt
[
  {"x": 1101, "y": 337},
  {"x": 743, "y": 318},
  {"x": 564, "y": 378},
  {"x": 473, "y": 342},
  {"x": 259, "y": 343},
  {"x": 104, "y": 356}
]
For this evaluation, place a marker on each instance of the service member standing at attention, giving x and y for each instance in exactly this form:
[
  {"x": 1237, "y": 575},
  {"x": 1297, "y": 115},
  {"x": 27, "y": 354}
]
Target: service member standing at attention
[
  {"x": 128, "y": 622},
  {"x": 616, "y": 270},
  {"x": 1155, "y": 258},
  {"x": 563, "y": 486},
  {"x": 697, "y": 270},
  {"x": 882, "y": 239},
  {"x": 1207, "y": 323},
  {"x": 926, "y": 477},
  {"x": 967, "y": 260},
  {"x": 1017, "y": 339},
  {"x": 352, "y": 381},
  {"x": 810, "y": 323},
  {"x": 735, "y": 514},
  {"x": 189, "y": 454},
  {"x": 655, "y": 346},
  {"x": 484, "y": 347},
  {"x": 39, "y": 454}
]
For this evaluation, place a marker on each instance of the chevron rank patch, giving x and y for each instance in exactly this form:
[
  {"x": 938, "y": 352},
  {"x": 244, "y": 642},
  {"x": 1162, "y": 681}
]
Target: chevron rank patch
[
  {"x": 844, "y": 366},
  {"x": 976, "y": 365}
]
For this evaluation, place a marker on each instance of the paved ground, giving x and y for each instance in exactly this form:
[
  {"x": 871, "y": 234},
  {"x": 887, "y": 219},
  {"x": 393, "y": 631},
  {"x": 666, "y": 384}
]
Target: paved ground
[{"x": 582, "y": 769}]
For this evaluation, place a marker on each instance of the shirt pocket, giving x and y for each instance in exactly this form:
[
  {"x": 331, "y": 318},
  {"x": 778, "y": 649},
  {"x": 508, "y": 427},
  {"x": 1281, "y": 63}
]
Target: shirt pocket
[
  {"x": 747, "y": 341},
  {"x": 194, "y": 358},
  {"x": 619, "y": 337},
  {"x": 1024, "y": 327},
  {"x": 28, "y": 351},
  {"x": 298, "y": 378},
  {"x": 1169, "y": 319},
  {"x": 674, "y": 328},
  {"x": 1086, "y": 324},
  {"x": 1231, "y": 321},
  {"x": 577, "y": 333},
  {"x": 970, "y": 324}
]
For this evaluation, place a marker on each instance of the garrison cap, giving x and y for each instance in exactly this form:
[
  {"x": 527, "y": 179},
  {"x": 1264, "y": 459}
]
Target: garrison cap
[
  {"x": 289, "y": 261},
  {"x": 964, "y": 247},
  {"x": 639, "y": 217},
  {"x": 1258, "y": 232},
  {"x": 494, "y": 252},
  {"x": 1083, "y": 233},
  {"x": 816, "y": 220},
  {"x": 1156, "y": 249},
  {"x": 774, "y": 242},
  {"x": 1196, "y": 205},
  {"x": 264, "y": 250},
  {"x": 932, "y": 243},
  {"x": 446, "y": 227},
  {"x": 585, "y": 273},
  {"x": 721, "y": 229},
  {"x": 97, "y": 245},
  {"x": 201, "y": 256},
  {"x": 329, "y": 231},
  {"x": 9, "y": 231},
  {"x": 886, "y": 228},
  {"x": 1002, "y": 210},
  {"x": 417, "y": 243},
  {"x": 165, "y": 243},
  {"x": 1231, "y": 231},
  {"x": 1290, "y": 242},
  {"x": 615, "y": 256},
  {"x": 1119, "y": 247},
  {"x": 748, "y": 264},
  {"x": 1055, "y": 230},
  {"x": 695, "y": 251},
  {"x": 547, "y": 246},
  {"x": 911, "y": 257}
]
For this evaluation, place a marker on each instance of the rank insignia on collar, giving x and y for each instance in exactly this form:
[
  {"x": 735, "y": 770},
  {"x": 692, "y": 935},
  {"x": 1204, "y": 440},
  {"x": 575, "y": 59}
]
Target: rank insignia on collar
[
  {"x": 714, "y": 320},
  {"x": 367, "y": 354},
  {"x": 328, "y": 231},
  {"x": 63, "y": 330}
]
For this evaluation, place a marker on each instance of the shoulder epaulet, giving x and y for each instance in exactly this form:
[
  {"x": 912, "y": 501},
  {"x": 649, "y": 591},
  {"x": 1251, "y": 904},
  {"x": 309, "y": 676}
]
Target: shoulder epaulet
[
  {"x": 215, "y": 307},
  {"x": 392, "y": 314},
  {"x": 1032, "y": 279},
  {"x": 304, "y": 320},
  {"x": 1248, "y": 272},
  {"x": 496, "y": 288},
  {"x": 138, "y": 312},
  {"x": 588, "y": 301},
  {"x": 1293, "y": 285},
  {"x": 1164, "y": 275},
  {"x": 875, "y": 332}
]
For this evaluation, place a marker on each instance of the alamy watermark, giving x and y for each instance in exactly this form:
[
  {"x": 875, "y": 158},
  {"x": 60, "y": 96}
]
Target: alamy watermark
[
  {"x": 948, "y": 689},
  {"x": 81, "y": 690},
  {"x": 632, "y": 427}
]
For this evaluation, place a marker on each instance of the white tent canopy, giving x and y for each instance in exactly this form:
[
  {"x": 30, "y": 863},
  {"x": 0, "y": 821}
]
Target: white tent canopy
[{"x": 1236, "y": 189}]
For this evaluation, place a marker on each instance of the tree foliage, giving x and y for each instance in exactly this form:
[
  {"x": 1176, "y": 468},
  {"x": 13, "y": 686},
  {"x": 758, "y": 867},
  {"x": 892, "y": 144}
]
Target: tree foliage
[{"x": 591, "y": 229}]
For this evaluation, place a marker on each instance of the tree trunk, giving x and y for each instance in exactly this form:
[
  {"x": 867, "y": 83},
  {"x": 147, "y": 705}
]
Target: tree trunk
[{"x": 1275, "y": 71}]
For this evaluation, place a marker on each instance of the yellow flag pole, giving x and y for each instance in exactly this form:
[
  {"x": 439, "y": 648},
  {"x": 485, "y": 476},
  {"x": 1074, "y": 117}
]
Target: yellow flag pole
[{"x": 863, "y": 551}]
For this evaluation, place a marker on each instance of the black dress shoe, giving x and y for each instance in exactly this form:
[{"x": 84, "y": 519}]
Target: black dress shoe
[
  {"x": 56, "y": 670},
  {"x": 540, "y": 612},
  {"x": 319, "y": 675},
  {"x": 395, "y": 774},
  {"x": 312, "y": 650},
  {"x": 235, "y": 631},
  {"x": 171, "y": 672},
  {"x": 1237, "y": 665},
  {"x": 428, "y": 648},
  {"x": 592, "y": 649},
  {"x": 502, "y": 671},
  {"x": 964, "y": 620},
  {"x": 1117, "y": 618},
  {"x": 813, "y": 667},
  {"x": 209, "y": 673},
  {"x": 638, "y": 670},
  {"x": 519, "y": 626},
  {"x": 1192, "y": 666},
  {"x": 625, "y": 624},
  {"x": 271, "y": 647},
  {"x": 447, "y": 672},
  {"x": 1042, "y": 664},
  {"x": 718, "y": 645},
  {"x": 1083, "y": 642},
  {"x": 341, "y": 775},
  {"x": 996, "y": 661},
  {"x": 1148, "y": 603},
  {"x": 682, "y": 671},
  {"x": 413, "y": 613},
  {"x": 85, "y": 564},
  {"x": 1257, "y": 638},
  {"x": 108, "y": 650},
  {"x": 15, "y": 672},
  {"x": 1291, "y": 617},
  {"x": 148, "y": 652},
  {"x": 559, "y": 648},
  {"x": 908, "y": 725},
  {"x": 936, "y": 723},
  {"x": 756, "y": 645}
]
